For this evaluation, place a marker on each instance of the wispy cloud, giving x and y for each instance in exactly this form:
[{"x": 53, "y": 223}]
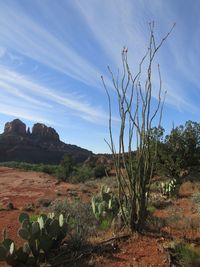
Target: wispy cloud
[
  {"x": 128, "y": 25},
  {"x": 23, "y": 113},
  {"x": 25, "y": 35},
  {"x": 18, "y": 84},
  {"x": 10, "y": 89},
  {"x": 122, "y": 24}
]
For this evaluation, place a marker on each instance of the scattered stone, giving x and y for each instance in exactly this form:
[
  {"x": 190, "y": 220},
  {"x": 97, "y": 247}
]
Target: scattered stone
[
  {"x": 44, "y": 202},
  {"x": 58, "y": 193},
  {"x": 10, "y": 206},
  {"x": 29, "y": 207}
]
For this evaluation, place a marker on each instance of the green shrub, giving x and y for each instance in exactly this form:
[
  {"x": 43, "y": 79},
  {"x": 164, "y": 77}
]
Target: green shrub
[
  {"x": 99, "y": 171},
  {"x": 81, "y": 174},
  {"x": 44, "y": 202},
  {"x": 195, "y": 198},
  {"x": 187, "y": 255},
  {"x": 81, "y": 220},
  {"x": 50, "y": 169},
  {"x": 151, "y": 209},
  {"x": 65, "y": 168}
]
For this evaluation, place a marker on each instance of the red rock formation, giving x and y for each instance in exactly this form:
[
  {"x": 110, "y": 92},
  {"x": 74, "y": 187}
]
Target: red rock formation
[
  {"x": 41, "y": 146},
  {"x": 42, "y": 131},
  {"x": 15, "y": 127}
]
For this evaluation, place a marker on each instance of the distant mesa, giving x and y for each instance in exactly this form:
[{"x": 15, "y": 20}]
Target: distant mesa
[{"x": 41, "y": 145}]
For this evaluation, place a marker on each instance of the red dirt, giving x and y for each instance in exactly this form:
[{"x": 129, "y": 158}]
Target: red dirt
[
  {"x": 187, "y": 222},
  {"x": 138, "y": 252},
  {"x": 21, "y": 187}
]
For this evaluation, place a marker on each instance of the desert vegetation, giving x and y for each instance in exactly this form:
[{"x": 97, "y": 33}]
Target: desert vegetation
[
  {"x": 144, "y": 201},
  {"x": 66, "y": 171}
]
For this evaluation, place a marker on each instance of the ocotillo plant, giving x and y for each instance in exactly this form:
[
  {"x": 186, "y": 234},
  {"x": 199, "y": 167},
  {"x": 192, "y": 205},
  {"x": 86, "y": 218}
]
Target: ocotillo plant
[{"x": 137, "y": 116}]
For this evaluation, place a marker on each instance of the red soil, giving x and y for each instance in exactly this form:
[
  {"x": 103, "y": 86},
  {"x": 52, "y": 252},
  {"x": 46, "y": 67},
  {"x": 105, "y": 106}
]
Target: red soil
[
  {"x": 186, "y": 222},
  {"x": 138, "y": 252},
  {"x": 21, "y": 187}
]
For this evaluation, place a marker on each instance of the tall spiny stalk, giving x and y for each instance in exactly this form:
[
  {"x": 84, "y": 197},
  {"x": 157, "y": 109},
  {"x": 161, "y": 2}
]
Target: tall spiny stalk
[{"x": 134, "y": 170}]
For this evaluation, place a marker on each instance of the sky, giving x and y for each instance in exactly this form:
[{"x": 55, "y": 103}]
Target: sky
[{"x": 53, "y": 53}]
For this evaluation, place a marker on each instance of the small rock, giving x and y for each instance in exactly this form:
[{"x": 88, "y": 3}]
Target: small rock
[{"x": 10, "y": 206}]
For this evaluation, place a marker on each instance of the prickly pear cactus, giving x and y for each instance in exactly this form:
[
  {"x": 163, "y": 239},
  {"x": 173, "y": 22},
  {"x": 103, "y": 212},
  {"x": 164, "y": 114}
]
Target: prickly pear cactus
[
  {"x": 12, "y": 255},
  {"x": 169, "y": 188},
  {"x": 105, "y": 205},
  {"x": 44, "y": 234}
]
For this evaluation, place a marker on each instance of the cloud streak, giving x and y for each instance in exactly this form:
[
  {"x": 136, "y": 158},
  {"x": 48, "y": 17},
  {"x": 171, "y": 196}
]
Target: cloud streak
[
  {"x": 17, "y": 84},
  {"x": 23, "y": 34},
  {"x": 127, "y": 26},
  {"x": 46, "y": 42}
]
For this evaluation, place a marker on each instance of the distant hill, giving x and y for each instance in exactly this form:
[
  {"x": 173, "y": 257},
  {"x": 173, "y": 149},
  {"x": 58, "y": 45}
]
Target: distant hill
[{"x": 41, "y": 145}]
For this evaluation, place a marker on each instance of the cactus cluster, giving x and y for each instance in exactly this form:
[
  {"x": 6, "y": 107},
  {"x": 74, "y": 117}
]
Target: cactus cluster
[
  {"x": 168, "y": 188},
  {"x": 105, "y": 205},
  {"x": 12, "y": 255},
  {"x": 43, "y": 234}
]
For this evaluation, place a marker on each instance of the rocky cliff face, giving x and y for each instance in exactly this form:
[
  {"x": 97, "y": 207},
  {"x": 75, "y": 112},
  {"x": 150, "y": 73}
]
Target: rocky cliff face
[
  {"x": 40, "y": 130},
  {"x": 16, "y": 127},
  {"x": 42, "y": 145}
]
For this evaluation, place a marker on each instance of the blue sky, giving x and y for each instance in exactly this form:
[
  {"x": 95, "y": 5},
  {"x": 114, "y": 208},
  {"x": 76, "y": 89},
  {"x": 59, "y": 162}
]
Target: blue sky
[{"x": 53, "y": 53}]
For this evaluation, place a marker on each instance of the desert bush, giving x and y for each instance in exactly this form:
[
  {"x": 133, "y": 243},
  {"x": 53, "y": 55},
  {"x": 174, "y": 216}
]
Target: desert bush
[
  {"x": 50, "y": 169},
  {"x": 81, "y": 174},
  {"x": 162, "y": 204},
  {"x": 29, "y": 207},
  {"x": 187, "y": 256},
  {"x": 65, "y": 168},
  {"x": 187, "y": 189},
  {"x": 99, "y": 171},
  {"x": 196, "y": 198},
  {"x": 44, "y": 202},
  {"x": 153, "y": 223},
  {"x": 198, "y": 210},
  {"x": 174, "y": 220},
  {"x": 68, "y": 172},
  {"x": 84, "y": 172},
  {"x": 151, "y": 209},
  {"x": 180, "y": 150},
  {"x": 82, "y": 222}
]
